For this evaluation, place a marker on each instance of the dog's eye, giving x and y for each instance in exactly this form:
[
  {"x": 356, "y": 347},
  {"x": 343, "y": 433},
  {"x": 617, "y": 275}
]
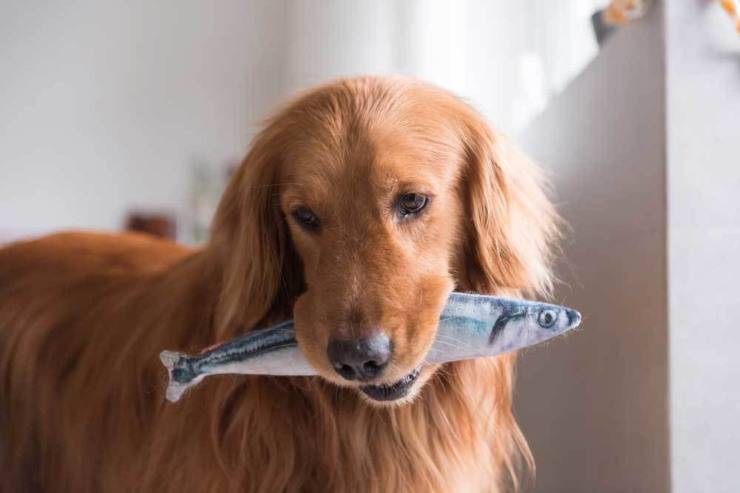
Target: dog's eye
[
  {"x": 306, "y": 218},
  {"x": 412, "y": 203}
]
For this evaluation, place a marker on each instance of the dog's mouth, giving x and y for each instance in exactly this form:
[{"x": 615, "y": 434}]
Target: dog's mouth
[{"x": 392, "y": 391}]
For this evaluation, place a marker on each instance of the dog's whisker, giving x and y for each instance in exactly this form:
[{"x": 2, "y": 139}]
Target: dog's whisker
[
  {"x": 448, "y": 344},
  {"x": 451, "y": 343},
  {"x": 271, "y": 185}
]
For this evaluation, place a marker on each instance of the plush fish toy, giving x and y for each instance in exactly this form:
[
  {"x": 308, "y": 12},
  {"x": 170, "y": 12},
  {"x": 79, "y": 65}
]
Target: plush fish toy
[{"x": 471, "y": 326}]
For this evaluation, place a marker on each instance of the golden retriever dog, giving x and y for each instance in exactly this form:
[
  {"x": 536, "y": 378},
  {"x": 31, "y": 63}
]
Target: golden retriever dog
[{"x": 361, "y": 205}]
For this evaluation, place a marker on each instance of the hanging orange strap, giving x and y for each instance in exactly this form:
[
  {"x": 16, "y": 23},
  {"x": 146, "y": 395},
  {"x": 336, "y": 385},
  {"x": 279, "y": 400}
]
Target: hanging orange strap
[
  {"x": 622, "y": 12},
  {"x": 731, "y": 8}
]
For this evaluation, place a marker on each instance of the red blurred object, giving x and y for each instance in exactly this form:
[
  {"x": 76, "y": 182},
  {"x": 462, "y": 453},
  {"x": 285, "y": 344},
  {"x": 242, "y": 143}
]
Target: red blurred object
[{"x": 158, "y": 224}]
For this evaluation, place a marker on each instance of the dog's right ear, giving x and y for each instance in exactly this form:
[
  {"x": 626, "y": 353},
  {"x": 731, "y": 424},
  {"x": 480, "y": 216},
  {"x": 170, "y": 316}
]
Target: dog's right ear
[
  {"x": 249, "y": 238},
  {"x": 513, "y": 226}
]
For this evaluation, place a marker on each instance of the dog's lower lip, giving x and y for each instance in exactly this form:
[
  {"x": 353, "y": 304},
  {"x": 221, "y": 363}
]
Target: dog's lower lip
[{"x": 393, "y": 391}]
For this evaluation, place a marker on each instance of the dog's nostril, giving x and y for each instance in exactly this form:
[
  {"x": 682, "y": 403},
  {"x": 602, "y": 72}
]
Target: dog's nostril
[
  {"x": 360, "y": 359},
  {"x": 346, "y": 371}
]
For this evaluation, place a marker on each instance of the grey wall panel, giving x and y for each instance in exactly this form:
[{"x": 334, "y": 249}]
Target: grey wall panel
[{"x": 594, "y": 405}]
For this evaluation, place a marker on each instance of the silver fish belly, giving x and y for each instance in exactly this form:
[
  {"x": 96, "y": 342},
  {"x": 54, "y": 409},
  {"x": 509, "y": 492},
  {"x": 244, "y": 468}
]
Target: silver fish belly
[{"x": 471, "y": 326}]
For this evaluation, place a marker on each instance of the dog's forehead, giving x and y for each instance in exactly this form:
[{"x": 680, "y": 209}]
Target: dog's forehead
[{"x": 378, "y": 158}]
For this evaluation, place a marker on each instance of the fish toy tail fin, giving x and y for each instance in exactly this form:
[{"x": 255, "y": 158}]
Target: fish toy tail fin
[{"x": 175, "y": 388}]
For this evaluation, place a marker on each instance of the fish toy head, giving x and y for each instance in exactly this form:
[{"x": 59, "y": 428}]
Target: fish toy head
[{"x": 474, "y": 326}]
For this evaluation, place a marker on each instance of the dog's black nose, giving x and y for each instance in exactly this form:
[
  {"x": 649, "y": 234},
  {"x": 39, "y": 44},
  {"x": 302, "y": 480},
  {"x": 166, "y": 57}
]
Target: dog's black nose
[{"x": 360, "y": 359}]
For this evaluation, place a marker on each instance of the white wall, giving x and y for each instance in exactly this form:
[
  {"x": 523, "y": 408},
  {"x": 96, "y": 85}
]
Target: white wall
[
  {"x": 704, "y": 246},
  {"x": 594, "y": 405},
  {"x": 106, "y": 105},
  {"x": 328, "y": 39}
]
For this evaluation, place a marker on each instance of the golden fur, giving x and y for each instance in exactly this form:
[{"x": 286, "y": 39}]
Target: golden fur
[{"x": 83, "y": 316}]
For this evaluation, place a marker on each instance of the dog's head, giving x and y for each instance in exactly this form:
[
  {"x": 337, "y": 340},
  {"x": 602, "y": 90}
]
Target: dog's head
[{"x": 361, "y": 205}]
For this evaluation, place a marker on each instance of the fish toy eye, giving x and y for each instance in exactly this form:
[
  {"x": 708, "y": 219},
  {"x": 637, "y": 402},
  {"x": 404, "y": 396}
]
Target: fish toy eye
[{"x": 547, "y": 318}]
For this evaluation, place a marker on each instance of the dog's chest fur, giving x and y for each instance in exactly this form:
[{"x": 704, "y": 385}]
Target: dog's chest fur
[{"x": 278, "y": 434}]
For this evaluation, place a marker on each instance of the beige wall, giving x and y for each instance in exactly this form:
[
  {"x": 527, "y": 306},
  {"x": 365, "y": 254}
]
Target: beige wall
[{"x": 594, "y": 405}]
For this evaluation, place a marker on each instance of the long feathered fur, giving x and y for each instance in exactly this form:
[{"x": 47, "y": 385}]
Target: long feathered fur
[{"x": 83, "y": 317}]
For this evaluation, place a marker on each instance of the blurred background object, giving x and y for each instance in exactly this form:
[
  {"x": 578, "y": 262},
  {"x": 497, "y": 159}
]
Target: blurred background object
[
  {"x": 157, "y": 224},
  {"x": 132, "y": 114},
  {"x": 730, "y": 7},
  {"x": 207, "y": 184},
  {"x": 622, "y": 12}
]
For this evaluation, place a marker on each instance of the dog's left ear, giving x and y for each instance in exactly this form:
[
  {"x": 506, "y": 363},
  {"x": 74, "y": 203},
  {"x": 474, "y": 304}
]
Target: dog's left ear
[
  {"x": 260, "y": 271},
  {"x": 513, "y": 226}
]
